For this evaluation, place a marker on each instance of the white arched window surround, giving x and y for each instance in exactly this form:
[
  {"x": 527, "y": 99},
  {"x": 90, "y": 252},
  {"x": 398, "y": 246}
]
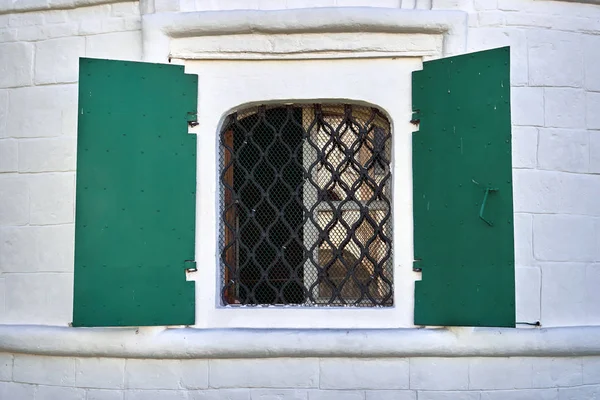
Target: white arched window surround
[{"x": 349, "y": 55}]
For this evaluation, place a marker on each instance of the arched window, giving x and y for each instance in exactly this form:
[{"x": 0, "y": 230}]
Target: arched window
[{"x": 306, "y": 206}]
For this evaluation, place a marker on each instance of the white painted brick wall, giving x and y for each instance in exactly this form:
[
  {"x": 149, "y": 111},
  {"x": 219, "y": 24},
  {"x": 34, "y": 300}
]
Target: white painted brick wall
[
  {"x": 53, "y": 371},
  {"x": 524, "y": 239},
  {"x": 16, "y": 64},
  {"x": 364, "y": 374},
  {"x": 49, "y": 249},
  {"x": 550, "y": 192},
  {"x": 57, "y": 60},
  {"x": 336, "y": 395},
  {"x": 591, "y": 370},
  {"x": 565, "y": 238},
  {"x": 563, "y": 108},
  {"x": 55, "y": 392},
  {"x": 116, "y": 46},
  {"x": 527, "y": 106},
  {"x": 581, "y": 392},
  {"x": 43, "y": 297},
  {"x": 283, "y": 373},
  {"x": 100, "y": 373},
  {"x": 12, "y": 390},
  {"x": 500, "y": 373},
  {"x": 2, "y": 297},
  {"x": 524, "y": 147},
  {"x": 390, "y": 395},
  {"x": 555, "y": 58},
  {"x": 444, "y": 395},
  {"x": 98, "y": 394},
  {"x": 592, "y": 115},
  {"x": 563, "y": 293},
  {"x": 595, "y": 151},
  {"x": 557, "y": 372},
  {"x": 556, "y": 149},
  {"x": 591, "y": 60},
  {"x": 592, "y": 283},
  {"x": 232, "y": 394},
  {"x": 3, "y": 112},
  {"x": 439, "y": 373},
  {"x": 564, "y": 150},
  {"x": 47, "y": 155},
  {"x": 276, "y": 394},
  {"x": 6, "y": 367},
  {"x": 492, "y": 378},
  {"x": 14, "y": 200},
  {"x": 538, "y": 394},
  {"x": 9, "y": 160},
  {"x": 51, "y": 198},
  {"x": 528, "y": 292},
  {"x": 155, "y": 395},
  {"x": 166, "y": 374},
  {"x": 39, "y": 111}
]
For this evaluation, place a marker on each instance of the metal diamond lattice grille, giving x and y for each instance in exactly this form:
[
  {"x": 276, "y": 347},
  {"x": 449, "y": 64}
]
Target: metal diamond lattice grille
[{"x": 305, "y": 206}]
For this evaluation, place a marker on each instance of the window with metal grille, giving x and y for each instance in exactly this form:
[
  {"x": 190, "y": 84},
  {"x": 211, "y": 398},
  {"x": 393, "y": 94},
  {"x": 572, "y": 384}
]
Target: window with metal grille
[{"x": 306, "y": 206}]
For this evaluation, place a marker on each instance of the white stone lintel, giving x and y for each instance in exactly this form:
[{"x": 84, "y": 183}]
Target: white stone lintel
[
  {"x": 182, "y": 343},
  {"x": 160, "y": 30}
]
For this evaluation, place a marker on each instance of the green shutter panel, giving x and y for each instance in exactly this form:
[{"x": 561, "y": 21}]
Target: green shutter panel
[
  {"x": 462, "y": 191},
  {"x": 135, "y": 200}
]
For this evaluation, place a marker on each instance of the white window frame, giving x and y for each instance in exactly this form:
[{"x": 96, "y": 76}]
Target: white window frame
[{"x": 226, "y": 86}]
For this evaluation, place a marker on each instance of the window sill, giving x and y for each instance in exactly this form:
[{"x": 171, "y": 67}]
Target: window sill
[{"x": 181, "y": 343}]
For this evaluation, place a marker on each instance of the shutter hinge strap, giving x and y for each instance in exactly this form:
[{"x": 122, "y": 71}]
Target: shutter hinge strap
[
  {"x": 190, "y": 266},
  {"x": 415, "y": 118},
  {"x": 192, "y": 118},
  {"x": 417, "y": 267}
]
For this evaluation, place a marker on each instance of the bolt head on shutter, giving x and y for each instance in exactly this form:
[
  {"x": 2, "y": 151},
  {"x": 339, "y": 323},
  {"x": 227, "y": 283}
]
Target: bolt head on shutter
[
  {"x": 135, "y": 197},
  {"x": 462, "y": 191}
]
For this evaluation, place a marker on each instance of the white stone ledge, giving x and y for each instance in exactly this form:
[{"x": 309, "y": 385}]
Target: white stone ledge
[
  {"x": 159, "y": 29},
  {"x": 582, "y": 1},
  {"x": 184, "y": 343},
  {"x": 8, "y": 7}
]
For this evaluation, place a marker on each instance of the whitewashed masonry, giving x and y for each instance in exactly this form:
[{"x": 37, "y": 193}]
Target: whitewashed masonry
[{"x": 555, "y": 49}]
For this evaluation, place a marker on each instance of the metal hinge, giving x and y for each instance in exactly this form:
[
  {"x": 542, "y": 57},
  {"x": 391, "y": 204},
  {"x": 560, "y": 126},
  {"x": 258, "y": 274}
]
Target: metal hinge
[
  {"x": 192, "y": 118},
  {"x": 415, "y": 118},
  {"x": 417, "y": 267},
  {"x": 190, "y": 266}
]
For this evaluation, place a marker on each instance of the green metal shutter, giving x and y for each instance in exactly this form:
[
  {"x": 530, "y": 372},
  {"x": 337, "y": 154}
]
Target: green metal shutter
[
  {"x": 135, "y": 200},
  {"x": 462, "y": 181}
]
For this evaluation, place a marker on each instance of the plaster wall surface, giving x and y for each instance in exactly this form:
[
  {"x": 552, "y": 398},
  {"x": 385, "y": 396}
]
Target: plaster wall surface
[
  {"x": 39, "y": 377},
  {"x": 555, "y": 51}
]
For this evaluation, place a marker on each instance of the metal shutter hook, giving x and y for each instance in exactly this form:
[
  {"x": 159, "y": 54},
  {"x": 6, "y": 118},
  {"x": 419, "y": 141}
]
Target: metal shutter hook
[{"x": 485, "y": 196}]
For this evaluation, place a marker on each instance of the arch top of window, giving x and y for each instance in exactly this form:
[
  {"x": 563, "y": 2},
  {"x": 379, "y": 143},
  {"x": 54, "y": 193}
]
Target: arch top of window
[{"x": 334, "y": 109}]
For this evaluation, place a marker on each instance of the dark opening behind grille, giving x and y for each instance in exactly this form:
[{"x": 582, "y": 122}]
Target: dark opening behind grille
[{"x": 305, "y": 206}]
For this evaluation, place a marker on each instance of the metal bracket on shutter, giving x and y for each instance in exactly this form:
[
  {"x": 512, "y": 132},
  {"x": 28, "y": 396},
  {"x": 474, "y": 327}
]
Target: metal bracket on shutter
[
  {"x": 417, "y": 267},
  {"x": 192, "y": 119},
  {"x": 415, "y": 118},
  {"x": 190, "y": 266},
  {"x": 482, "y": 209}
]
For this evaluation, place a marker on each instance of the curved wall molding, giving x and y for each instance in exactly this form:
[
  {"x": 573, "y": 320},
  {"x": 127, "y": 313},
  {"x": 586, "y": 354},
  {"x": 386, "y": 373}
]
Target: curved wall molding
[
  {"x": 9, "y": 6},
  {"x": 183, "y": 343}
]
